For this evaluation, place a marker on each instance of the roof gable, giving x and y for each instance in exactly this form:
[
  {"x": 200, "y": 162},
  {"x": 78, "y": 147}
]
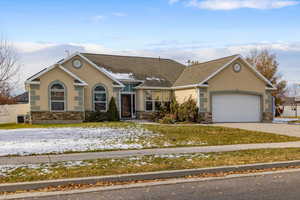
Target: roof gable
[
  {"x": 102, "y": 70},
  {"x": 198, "y": 73},
  {"x": 201, "y": 73},
  {"x": 32, "y": 79}
]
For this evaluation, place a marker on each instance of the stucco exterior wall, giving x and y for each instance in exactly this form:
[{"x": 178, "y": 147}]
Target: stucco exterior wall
[
  {"x": 46, "y": 79},
  {"x": 92, "y": 77},
  {"x": 183, "y": 95},
  {"x": 140, "y": 100},
  {"x": 9, "y": 113},
  {"x": 244, "y": 81}
]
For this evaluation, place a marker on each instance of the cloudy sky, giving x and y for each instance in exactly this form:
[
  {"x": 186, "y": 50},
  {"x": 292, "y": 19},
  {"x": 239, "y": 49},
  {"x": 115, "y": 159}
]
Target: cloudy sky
[{"x": 42, "y": 31}]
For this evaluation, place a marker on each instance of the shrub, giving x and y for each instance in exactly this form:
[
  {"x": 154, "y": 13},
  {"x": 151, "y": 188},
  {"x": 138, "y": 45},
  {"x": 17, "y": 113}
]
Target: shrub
[
  {"x": 188, "y": 111},
  {"x": 174, "y": 106},
  {"x": 161, "y": 112},
  {"x": 175, "y": 112},
  {"x": 96, "y": 116},
  {"x": 168, "y": 119},
  {"x": 112, "y": 113}
]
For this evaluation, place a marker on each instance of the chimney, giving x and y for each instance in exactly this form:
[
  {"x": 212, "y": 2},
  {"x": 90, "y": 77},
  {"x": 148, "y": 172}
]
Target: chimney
[{"x": 67, "y": 52}]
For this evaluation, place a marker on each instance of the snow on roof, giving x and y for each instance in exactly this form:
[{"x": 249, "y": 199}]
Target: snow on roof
[
  {"x": 154, "y": 79},
  {"x": 120, "y": 76}
]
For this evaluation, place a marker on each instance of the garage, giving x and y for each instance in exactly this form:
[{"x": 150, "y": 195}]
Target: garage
[{"x": 236, "y": 108}]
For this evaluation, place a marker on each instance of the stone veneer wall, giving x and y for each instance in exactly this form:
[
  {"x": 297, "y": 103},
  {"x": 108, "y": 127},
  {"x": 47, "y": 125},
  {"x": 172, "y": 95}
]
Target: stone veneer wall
[
  {"x": 268, "y": 109},
  {"x": 206, "y": 117},
  {"x": 144, "y": 115},
  {"x": 56, "y": 117},
  {"x": 268, "y": 117}
]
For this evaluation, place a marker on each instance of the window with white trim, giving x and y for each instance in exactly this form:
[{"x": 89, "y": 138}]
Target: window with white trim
[
  {"x": 57, "y": 97},
  {"x": 100, "y": 98},
  {"x": 154, "y": 99}
]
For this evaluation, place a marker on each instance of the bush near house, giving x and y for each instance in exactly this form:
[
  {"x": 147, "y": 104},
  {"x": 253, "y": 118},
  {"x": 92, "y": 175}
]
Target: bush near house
[
  {"x": 175, "y": 112},
  {"x": 96, "y": 116},
  {"x": 188, "y": 111},
  {"x": 111, "y": 115}
]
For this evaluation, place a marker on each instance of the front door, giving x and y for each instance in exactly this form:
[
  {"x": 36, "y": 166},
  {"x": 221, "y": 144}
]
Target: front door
[{"x": 126, "y": 106}]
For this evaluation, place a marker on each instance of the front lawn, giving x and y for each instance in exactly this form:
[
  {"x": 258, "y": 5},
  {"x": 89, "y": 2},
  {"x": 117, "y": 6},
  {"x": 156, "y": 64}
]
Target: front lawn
[
  {"x": 81, "y": 125},
  {"x": 211, "y": 135},
  {"x": 142, "y": 164},
  {"x": 43, "y": 139}
]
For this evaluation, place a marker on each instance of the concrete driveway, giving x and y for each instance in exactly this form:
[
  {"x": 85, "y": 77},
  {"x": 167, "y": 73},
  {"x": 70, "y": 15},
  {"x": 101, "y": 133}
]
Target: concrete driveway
[{"x": 284, "y": 129}]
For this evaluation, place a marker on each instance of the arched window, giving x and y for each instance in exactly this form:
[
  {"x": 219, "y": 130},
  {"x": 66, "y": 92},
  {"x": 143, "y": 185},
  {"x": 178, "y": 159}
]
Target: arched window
[
  {"x": 57, "y": 97},
  {"x": 100, "y": 98}
]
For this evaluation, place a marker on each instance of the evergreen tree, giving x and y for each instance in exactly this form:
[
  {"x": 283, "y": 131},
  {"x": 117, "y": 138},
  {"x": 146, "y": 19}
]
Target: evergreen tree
[{"x": 113, "y": 113}]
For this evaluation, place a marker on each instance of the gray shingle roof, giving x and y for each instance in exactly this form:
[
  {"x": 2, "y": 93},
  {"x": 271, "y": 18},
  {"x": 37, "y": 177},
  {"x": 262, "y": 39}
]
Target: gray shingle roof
[
  {"x": 157, "y": 72},
  {"x": 199, "y": 72},
  {"x": 22, "y": 98},
  {"x": 153, "y": 71}
]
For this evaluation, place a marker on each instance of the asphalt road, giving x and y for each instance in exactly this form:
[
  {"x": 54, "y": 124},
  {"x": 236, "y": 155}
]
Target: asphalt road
[{"x": 276, "y": 186}]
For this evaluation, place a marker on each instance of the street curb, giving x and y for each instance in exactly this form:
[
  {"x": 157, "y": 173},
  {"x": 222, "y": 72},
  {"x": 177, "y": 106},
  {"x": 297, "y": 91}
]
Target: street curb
[
  {"x": 57, "y": 194},
  {"x": 13, "y": 187}
]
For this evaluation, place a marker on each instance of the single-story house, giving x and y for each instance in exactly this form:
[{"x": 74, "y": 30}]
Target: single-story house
[{"x": 226, "y": 90}]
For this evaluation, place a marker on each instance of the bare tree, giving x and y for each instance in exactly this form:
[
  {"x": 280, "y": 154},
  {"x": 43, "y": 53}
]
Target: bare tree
[
  {"x": 8, "y": 69},
  {"x": 266, "y": 63}
]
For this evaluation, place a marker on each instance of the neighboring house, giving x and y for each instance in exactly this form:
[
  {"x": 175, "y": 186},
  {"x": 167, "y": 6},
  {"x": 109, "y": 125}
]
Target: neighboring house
[
  {"x": 15, "y": 113},
  {"x": 22, "y": 98},
  {"x": 291, "y": 107},
  {"x": 226, "y": 89}
]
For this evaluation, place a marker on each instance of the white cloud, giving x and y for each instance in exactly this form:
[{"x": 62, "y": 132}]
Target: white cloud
[
  {"x": 98, "y": 18},
  {"x": 119, "y": 14},
  {"x": 92, "y": 48},
  {"x": 26, "y": 47},
  {"x": 237, "y": 4}
]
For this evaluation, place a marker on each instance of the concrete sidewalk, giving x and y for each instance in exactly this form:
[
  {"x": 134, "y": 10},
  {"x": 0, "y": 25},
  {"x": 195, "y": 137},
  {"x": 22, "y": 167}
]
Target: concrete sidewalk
[{"x": 126, "y": 153}]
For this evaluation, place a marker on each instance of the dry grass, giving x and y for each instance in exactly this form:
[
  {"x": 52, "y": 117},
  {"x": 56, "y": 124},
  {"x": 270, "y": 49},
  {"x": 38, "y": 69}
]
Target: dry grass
[
  {"x": 179, "y": 135},
  {"x": 210, "y": 135},
  {"x": 83, "y": 125},
  {"x": 149, "y": 164}
]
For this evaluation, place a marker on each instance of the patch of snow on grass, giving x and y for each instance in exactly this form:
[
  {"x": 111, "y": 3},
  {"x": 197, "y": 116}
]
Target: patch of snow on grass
[
  {"x": 43, "y": 169},
  {"x": 199, "y": 155},
  {"x": 59, "y": 140},
  {"x": 6, "y": 169}
]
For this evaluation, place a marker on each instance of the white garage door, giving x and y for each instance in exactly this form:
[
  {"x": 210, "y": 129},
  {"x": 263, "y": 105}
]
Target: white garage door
[{"x": 236, "y": 108}]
